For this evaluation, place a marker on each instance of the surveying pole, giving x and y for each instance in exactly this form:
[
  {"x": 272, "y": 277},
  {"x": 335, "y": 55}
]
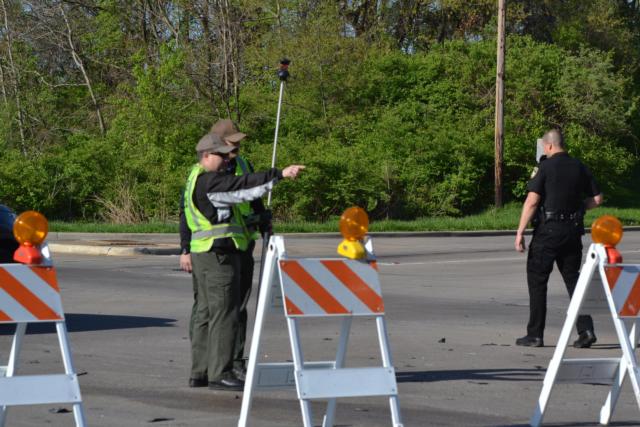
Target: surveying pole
[{"x": 283, "y": 74}]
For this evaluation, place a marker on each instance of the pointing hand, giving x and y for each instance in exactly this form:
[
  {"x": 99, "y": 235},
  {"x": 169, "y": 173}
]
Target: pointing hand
[{"x": 292, "y": 171}]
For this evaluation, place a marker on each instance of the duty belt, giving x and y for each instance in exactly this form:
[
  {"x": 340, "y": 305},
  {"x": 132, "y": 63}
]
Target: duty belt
[{"x": 562, "y": 216}]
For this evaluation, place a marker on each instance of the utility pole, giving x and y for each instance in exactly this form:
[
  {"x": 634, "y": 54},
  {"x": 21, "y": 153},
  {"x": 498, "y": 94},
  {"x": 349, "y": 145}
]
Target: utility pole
[{"x": 499, "y": 130}]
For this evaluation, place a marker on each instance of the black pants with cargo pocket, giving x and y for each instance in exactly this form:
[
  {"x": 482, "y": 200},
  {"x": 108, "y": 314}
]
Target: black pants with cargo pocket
[{"x": 560, "y": 243}]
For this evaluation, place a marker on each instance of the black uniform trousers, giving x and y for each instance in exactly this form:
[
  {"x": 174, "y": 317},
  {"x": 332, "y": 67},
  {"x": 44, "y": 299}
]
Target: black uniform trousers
[{"x": 559, "y": 242}]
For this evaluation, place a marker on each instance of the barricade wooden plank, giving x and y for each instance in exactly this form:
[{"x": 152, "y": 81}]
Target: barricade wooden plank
[
  {"x": 321, "y": 287},
  {"x": 588, "y": 371},
  {"x": 39, "y": 389},
  {"x": 16, "y": 293},
  {"x": 29, "y": 294},
  {"x": 360, "y": 286},
  {"x": 346, "y": 382},
  {"x": 302, "y": 289},
  {"x": 281, "y": 375},
  {"x": 624, "y": 283}
]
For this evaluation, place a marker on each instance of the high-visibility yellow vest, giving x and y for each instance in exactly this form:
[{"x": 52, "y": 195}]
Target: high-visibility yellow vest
[
  {"x": 242, "y": 168},
  {"x": 203, "y": 232}
]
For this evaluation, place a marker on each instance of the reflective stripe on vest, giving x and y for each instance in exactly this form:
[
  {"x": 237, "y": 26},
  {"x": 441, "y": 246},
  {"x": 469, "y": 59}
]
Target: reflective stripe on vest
[
  {"x": 203, "y": 233},
  {"x": 242, "y": 168},
  {"x": 218, "y": 232}
]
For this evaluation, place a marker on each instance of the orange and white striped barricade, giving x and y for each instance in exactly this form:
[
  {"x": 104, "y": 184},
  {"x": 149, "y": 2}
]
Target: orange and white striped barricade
[
  {"x": 30, "y": 294},
  {"x": 621, "y": 290},
  {"x": 311, "y": 287}
]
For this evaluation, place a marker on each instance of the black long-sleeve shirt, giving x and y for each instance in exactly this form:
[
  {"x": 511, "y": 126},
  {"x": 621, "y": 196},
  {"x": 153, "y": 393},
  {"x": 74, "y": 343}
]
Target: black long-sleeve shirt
[{"x": 216, "y": 192}]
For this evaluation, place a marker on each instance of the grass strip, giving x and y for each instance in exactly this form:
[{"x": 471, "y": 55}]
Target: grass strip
[{"x": 492, "y": 219}]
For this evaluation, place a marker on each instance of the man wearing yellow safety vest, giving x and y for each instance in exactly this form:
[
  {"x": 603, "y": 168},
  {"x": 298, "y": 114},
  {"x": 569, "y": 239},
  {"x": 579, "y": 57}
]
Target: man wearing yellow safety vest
[{"x": 218, "y": 236}]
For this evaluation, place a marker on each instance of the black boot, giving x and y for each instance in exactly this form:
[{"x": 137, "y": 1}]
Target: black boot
[
  {"x": 528, "y": 341},
  {"x": 585, "y": 339}
]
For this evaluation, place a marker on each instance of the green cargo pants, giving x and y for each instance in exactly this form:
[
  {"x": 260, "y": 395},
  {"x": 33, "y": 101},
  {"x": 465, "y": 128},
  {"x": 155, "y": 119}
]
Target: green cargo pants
[
  {"x": 215, "y": 315},
  {"x": 244, "y": 281}
]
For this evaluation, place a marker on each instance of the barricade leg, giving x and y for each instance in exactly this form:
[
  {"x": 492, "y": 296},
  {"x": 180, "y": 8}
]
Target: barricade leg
[
  {"x": 12, "y": 365},
  {"x": 572, "y": 315},
  {"x": 628, "y": 351},
  {"x": 263, "y": 301},
  {"x": 78, "y": 411},
  {"x": 612, "y": 397},
  {"x": 387, "y": 362},
  {"x": 341, "y": 355},
  {"x": 552, "y": 370},
  {"x": 298, "y": 365}
]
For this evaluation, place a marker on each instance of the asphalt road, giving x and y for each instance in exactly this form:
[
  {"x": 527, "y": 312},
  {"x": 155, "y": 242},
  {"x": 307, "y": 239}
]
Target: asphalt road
[{"x": 454, "y": 308}]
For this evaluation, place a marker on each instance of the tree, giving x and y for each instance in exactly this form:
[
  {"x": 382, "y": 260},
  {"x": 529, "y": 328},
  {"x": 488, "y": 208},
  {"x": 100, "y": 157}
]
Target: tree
[{"x": 14, "y": 75}]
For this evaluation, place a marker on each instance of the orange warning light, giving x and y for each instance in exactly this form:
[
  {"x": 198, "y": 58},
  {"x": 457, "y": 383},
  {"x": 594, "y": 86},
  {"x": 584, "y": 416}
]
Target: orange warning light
[
  {"x": 30, "y": 227},
  {"x": 606, "y": 230},
  {"x": 354, "y": 223}
]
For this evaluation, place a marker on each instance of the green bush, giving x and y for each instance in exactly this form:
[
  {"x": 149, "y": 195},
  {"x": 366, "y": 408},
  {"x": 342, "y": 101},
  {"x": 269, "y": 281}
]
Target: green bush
[
  {"x": 417, "y": 137},
  {"x": 402, "y": 135}
]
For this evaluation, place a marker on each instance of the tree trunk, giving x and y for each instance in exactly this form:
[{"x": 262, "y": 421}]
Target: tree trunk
[
  {"x": 499, "y": 129},
  {"x": 143, "y": 23},
  {"x": 78, "y": 61},
  {"x": 15, "y": 77},
  {"x": 167, "y": 21},
  {"x": 230, "y": 58},
  {"x": 222, "y": 31},
  {"x": 207, "y": 88},
  {"x": 234, "y": 49},
  {"x": 4, "y": 87}
]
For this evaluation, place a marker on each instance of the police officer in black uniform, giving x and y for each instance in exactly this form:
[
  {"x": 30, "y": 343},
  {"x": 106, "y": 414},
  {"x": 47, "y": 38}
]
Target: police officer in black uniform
[{"x": 559, "y": 194}]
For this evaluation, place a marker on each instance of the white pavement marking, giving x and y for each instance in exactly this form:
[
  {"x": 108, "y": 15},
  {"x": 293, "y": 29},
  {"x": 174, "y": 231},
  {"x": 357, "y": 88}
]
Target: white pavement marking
[
  {"x": 452, "y": 261},
  {"x": 522, "y": 257}
]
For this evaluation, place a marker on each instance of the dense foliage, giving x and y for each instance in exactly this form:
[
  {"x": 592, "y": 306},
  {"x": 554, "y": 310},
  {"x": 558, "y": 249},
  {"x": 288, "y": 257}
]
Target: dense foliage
[{"x": 390, "y": 104}]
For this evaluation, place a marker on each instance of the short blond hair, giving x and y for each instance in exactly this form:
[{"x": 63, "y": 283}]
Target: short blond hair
[{"x": 554, "y": 137}]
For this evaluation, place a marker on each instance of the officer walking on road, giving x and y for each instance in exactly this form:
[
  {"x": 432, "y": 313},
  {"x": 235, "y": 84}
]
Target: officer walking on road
[
  {"x": 219, "y": 235},
  {"x": 559, "y": 194}
]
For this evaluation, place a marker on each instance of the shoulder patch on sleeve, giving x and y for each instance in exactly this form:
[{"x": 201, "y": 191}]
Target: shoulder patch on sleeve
[{"x": 534, "y": 172}]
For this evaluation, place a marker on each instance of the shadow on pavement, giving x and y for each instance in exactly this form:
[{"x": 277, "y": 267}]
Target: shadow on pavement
[
  {"x": 579, "y": 424},
  {"x": 471, "y": 375},
  {"x": 605, "y": 346},
  {"x": 81, "y": 322}
]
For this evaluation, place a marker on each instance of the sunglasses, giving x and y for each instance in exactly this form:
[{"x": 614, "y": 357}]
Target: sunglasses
[{"x": 225, "y": 155}]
